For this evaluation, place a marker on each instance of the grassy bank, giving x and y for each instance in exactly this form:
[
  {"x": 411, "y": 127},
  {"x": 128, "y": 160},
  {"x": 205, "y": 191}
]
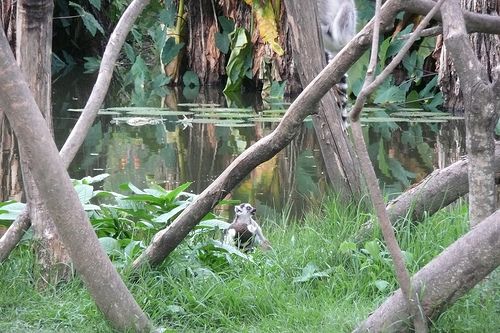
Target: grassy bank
[{"x": 312, "y": 282}]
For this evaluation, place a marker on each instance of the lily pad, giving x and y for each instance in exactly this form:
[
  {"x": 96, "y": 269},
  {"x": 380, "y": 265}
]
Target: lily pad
[
  {"x": 384, "y": 120},
  {"x": 213, "y": 121},
  {"x": 200, "y": 105},
  {"x": 235, "y": 125},
  {"x": 418, "y": 114},
  {"x": 266, "y": 119},
  {"x": 226, "y": 115},
  {"x": 134, "y": 108},
  {"x": 153, "y": 112},
  {"x": 108, "y": 113},
  {"x": 221, "y": 109}
]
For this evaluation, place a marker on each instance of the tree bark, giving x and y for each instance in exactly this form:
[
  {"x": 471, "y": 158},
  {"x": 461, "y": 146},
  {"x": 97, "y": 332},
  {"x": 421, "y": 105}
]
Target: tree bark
[
  {"x": 445, "y": 279},
  {"x": 485, "y": 46},
  {"x": 34, "y": 52},
  {"x": 340, "y": 160},
  {"x": 10, "y": 166},
  {"x": 61, "y": 200},
  {"x": 482, "y": 106}
]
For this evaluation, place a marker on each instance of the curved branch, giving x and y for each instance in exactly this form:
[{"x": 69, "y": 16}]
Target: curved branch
[
  {"x": 166, "y": 240},
  {"x": 17, "y": 229}
]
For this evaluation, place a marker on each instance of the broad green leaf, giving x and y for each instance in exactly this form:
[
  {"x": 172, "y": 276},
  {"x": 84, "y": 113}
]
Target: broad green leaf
[
  {"x": 96, "y": 4},
  {"x": 9, "y": 210},
  {"x": 222, "y": 42},
  {"x": 88, "y": 19},
  {"x": 226, "y": 24},
  {"x": 239, "y": 60},
  {"x": 381, "y": 284},
  {"x": 178, "y": 190},
  {"x": 109, "y": 244},
  {"x": 347, "y": 247},
  {"x": 400, "y": 173},
  {"x": 129, "y": 52},
  {"x": 85, "y": 192},
  {"x": 91, "y": 64},
  {"x": 164, "y": 218},
  {"x": 95, "y": 179},
  {"x": 190, "y": 79},
  {"x": 373, "y": 248},
  {"x": 212, "y": 224},
  {"x": 170, "y": 51}
]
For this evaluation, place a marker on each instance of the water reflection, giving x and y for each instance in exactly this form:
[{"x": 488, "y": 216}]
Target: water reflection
[{"x": 169, "y": 153}]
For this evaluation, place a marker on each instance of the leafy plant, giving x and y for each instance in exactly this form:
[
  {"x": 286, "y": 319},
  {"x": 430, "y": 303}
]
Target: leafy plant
[{"x": 240, "y": 61}]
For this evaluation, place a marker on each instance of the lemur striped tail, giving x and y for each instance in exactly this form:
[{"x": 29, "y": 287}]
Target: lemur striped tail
[{"x": 337, "y": 20}]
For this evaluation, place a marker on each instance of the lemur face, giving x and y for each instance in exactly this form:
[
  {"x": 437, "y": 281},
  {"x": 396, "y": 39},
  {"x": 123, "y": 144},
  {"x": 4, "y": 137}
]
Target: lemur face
[{"x": 244, "y": 209}]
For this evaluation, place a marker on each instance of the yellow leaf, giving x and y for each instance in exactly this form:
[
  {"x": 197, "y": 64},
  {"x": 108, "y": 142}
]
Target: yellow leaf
[{"x": 266, "y": 23}]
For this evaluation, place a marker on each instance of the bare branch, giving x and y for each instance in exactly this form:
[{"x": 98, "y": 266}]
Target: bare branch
[
  {"x": 437, "y": 30},
  {"x": 79, "y": 132},
  {"x": 474, "y": 22},
  {"x": 55, "y": 187},
  {"x": 369, "y": 86}
]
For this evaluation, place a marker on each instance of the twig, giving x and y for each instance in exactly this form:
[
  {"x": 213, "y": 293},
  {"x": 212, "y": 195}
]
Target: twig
[
  {"x": 369, "y": 86},
  {"x": 437, "y": 30}
]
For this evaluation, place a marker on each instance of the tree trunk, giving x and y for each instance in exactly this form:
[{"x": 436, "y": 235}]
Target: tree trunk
[
  {"x": 34, "y": 51},
  {"x": 445, "y": 279},
  {"x": 486, "y": 47},
  {"x": 481, "y": 90},
  {"x": 340, "y": 161},
  {"x": 10, "y": 167},
  {"x": 61, "y": 200}
]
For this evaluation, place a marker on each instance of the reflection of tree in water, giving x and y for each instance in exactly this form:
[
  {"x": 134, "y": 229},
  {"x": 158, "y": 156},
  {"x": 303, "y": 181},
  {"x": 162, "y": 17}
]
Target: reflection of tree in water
[
  {"x": 450, "y": 143},
  {"x": 405, "y": 153}
]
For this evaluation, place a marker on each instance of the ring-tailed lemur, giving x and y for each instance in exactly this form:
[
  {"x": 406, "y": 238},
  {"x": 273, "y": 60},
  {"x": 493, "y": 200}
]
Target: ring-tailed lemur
[
  {"x": 244, "y": 232},
  {"x": 337, "y": 20}
]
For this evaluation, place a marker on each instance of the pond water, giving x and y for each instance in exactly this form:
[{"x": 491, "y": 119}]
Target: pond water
[{"x": 149, "y": 145}]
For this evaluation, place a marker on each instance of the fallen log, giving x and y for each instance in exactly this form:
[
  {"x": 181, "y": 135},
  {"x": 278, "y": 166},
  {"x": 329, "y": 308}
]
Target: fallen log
[{"x": 445, "y": 279}]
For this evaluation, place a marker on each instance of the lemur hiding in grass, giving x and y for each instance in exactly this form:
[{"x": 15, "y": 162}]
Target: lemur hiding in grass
[
  {"x": 245, "y": 232},
  {"x": 337, "y": 20}
]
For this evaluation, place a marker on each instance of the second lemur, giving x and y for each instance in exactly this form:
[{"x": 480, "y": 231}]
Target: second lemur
[{"x": 337, "y": 20}]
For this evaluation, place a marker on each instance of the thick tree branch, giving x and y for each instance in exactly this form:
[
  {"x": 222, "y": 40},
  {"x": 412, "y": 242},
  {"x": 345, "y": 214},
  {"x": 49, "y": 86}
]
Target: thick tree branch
[
  {"x": 79, "y": 132},
  {"x": 166, "y": 240},
  {"x": 16, "y": 231},
  {"x": 55, "y": 187},
  {"x": 481, "y": 112},
  {"x": 474, "y": 22},
  {"x": 445, "y": 279},
  {"x": 369, "y": 86}
]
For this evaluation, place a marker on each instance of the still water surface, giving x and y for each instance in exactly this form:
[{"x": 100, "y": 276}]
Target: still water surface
[{"x": 170, "y": 152}]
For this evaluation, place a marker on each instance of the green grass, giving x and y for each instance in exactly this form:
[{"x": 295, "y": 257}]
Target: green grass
[{"x": 260, "y": 296}]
